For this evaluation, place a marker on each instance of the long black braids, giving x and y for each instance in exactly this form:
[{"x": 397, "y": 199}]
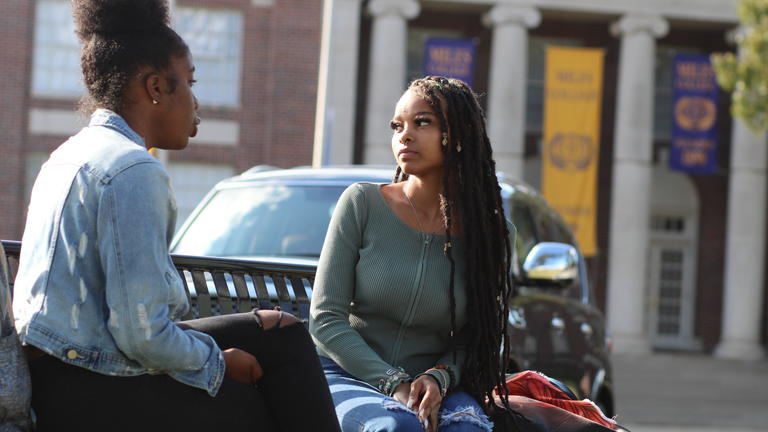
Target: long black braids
[{"x": 472, "y": 195}]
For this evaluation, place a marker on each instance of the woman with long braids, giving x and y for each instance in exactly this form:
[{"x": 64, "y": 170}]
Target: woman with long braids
[
  {"x": 410, "y": 300},
  {"x": 97, "y": 295}
]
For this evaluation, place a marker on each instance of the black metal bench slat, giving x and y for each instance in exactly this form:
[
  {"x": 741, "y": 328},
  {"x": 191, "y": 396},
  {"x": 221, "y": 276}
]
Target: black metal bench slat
[
  {"x": 223, "y": 297},
  {"x": 283, "y": 295},
  {"x": 292, "y": 299},
  {"x": 244, "y": 301},
  {"x": 205, "y": 303},
  {"x": 300, "y": 293},
  {"x": 193, "y": 310},
  {"x": 262, "y": 294}
]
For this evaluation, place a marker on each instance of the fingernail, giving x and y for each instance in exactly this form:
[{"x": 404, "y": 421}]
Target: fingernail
[
  {"x": 410, "y": 404},
  {"x": 421, "y": 414},
  {"x": 426, "y": 423}
]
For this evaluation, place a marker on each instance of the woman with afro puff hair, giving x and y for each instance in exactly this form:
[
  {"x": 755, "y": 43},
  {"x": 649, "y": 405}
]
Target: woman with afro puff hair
[{"x": 97, "y": 295}]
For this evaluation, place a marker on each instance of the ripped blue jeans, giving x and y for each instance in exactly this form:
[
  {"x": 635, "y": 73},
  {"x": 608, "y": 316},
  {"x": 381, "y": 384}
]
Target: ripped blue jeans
[{"x": 362, "y": 408}]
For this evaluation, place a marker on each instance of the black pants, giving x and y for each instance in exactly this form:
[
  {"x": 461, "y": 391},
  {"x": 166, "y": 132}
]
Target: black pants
[{"x": 291, "y": 396}]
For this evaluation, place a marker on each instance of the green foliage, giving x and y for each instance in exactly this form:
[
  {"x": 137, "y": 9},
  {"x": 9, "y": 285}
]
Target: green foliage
[{"x": 746, "y": 75}]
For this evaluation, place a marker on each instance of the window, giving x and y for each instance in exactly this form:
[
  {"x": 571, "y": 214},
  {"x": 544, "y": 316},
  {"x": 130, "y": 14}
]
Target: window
[
  {"x": 265, "y": 219},
  {"x": 537, "y": 54},
  {"x": 560, "y": 230},
  {"x": 191, "y": 181},
  {"x": 668, "y": 224},
  {"x": 215, "y": 38},
  {"x": 536, "y": 222},
  {"x": 417, "y": 37},
  {"x": 526, "y": 233},
  {"x": 56, "y": 58},
  {"x": 662, "y": 113},
  {"x": 670, "y": 297}
]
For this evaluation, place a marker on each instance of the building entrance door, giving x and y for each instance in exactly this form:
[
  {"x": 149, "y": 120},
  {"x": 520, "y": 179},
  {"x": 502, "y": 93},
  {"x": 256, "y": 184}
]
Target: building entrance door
[
  {"x": 672, "y": 290},
  {"x": 672, "y": 253}
]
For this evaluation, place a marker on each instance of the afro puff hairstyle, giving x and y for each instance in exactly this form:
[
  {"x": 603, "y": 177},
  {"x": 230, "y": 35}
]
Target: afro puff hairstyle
[{"x": 118, "y": 38}]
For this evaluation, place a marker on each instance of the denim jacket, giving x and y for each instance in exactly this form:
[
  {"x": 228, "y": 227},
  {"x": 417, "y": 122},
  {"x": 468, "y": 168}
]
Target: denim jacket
[{"x": 96, "y": 286}]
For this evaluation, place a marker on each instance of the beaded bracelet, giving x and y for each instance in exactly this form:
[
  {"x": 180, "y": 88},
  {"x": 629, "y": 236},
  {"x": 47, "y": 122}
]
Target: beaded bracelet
[
  {"x": 394, "y": 378},
  {"x": 449, "y": 372},
  {"x": 439, "y": 380},
  {"x": 442, "y": 375}
]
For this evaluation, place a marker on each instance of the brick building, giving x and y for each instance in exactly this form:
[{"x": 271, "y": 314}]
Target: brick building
[{"x": 256, "y": 60}]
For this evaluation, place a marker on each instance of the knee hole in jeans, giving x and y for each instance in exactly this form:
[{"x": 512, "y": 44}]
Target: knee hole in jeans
[{"x": 270, "y": 319}]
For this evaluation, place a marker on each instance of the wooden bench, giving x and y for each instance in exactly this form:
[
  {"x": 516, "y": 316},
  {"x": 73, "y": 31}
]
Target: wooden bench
[{"x": 219, "y": 286}]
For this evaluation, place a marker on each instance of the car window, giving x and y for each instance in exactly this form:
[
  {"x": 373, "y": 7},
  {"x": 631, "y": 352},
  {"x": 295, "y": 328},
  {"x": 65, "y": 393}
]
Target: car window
[
  {"x": 544, "y": 225},
  {"x": 558, "y": 231},
  {"x": 523, "y": 221},
  {"x": 563, "y": 232},
  {"x": 537, "y": 222},
  {"x": 553, "y": 229},
  {"x": 262, "y": 220}
]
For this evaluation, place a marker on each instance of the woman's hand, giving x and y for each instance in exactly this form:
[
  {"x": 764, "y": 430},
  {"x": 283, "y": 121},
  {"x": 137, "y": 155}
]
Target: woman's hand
[
  {"x": 425, "y": 398},
  {"x": 241, "y": 366},
  {"x": 401, "y": 393}
]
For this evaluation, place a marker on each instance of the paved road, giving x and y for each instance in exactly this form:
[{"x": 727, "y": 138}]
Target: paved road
[{"x": 690, "y": 393}]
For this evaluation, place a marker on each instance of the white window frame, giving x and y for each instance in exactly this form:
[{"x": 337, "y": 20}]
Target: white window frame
[
  {"x": 537, "y": 70},
  {"x": 662, "y": 112},
  {"x": 215, "y": 38},
  {"x": 56, "y": 69}
]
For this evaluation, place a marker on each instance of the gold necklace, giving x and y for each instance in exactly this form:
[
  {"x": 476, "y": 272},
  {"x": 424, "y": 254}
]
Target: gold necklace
[{"x": 415, "y": 213}]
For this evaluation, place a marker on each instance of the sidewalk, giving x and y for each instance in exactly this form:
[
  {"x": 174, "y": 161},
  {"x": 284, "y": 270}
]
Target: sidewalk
[{"x": 690, "y": 392}]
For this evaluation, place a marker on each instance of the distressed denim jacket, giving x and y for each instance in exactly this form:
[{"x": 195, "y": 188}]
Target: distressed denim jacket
[{"x": 96, "y": 286}]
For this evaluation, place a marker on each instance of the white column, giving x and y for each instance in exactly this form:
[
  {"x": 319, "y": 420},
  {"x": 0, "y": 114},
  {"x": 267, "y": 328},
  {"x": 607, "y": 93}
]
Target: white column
[
  {"x": 630, "y": 198},
  {"x": 386, "y": 73},
  {"x": 160, "y": 154},
  {"x": 745, "y": 246},
  {"x": 508, "y": 83},
  {"x": 337, "y": 84}
]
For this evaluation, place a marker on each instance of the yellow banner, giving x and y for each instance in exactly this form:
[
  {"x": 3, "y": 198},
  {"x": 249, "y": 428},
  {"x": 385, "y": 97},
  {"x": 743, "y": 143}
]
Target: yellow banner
[{"x": 572, "y": 94}]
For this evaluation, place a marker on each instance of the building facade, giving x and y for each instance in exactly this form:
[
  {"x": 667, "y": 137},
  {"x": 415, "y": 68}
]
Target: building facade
[
  {"x": 680, "y": 257},
  {"x": 256, "y": 61}
]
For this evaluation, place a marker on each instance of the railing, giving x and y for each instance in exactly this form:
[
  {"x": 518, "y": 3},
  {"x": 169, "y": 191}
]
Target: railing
[{"x": 219, "y": 286}]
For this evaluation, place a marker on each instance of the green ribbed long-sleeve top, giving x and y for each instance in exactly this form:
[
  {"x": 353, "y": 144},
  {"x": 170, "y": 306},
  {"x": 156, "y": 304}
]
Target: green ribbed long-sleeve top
[{"x": 381, "y": 296}]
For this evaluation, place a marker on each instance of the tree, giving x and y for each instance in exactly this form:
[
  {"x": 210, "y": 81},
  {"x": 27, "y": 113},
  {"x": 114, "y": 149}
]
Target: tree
[{"x": 746, "y": 74}]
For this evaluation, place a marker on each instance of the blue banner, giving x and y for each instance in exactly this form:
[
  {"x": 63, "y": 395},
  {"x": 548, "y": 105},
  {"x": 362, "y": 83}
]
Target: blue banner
[
  {"x": 453, "y": 58},
  {"x": 693, "y": 146}
]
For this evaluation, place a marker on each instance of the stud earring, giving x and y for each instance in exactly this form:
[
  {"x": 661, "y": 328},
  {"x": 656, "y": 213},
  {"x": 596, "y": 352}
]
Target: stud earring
[
  {"x": 154, "y": 102},
  {"x": 445, "y": 139}
]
